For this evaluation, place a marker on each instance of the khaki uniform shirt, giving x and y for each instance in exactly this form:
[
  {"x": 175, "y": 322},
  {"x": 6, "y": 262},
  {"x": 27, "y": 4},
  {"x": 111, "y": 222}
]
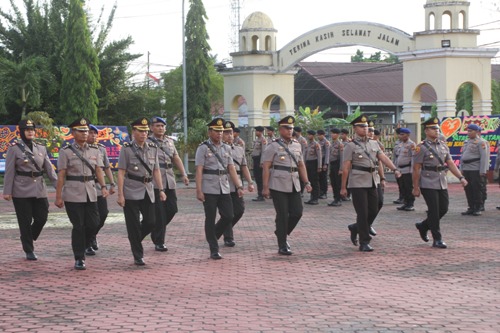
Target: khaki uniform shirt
[
  {"x": 356, "y": 154},
  {"x": 325, "y": 151},
  {"x": 283, "y": 180},
  {"x": 166, "y": 153},
  {"x": 258, "y": 146},
  {"x": 214, "y": 184},
  {"x": 128, "y": 161},
  {"x": 239, "y": 159},
  {"x": 313, "y": 152},
  {"x": 403, "y": 153},
  {"x": 336, "y": 151},
  {"x": 74, "y": 190},
  {"x": 105, "y": 162},
  {"x": 303, "y": 143},
  {"x": 240, "y": 142},
  {"x": 432, "y": 179},
  {"x": 475, "y": 149},
  {"x": 24, "y": 186}
]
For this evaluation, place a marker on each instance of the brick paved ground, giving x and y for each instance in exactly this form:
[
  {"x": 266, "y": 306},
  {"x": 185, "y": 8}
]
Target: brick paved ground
[{"x": 327, "y": 285}]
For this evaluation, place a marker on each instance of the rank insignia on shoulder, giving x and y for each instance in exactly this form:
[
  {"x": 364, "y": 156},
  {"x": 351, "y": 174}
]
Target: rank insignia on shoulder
[
  {"x": 101, "y": 145},
  {"x": 93, "y": 145},
  {"x": 152, "y": 144},
  {"x": 126, "y": 144},
  {"x": 67, "y": 146}
]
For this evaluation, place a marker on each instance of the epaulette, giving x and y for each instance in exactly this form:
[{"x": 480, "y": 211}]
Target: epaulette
[
  {"x": 16, "y": 142},
  {"x": 93, "y": 145},
  {"x": 126, "y": 144},
  {"x": 101, "y": 145},
  {"x": 67, "y": 146},
  {"x": 203, "y": 143},
  {"x": 152, "y": 144},
  {"x": 294, "y": 140}
]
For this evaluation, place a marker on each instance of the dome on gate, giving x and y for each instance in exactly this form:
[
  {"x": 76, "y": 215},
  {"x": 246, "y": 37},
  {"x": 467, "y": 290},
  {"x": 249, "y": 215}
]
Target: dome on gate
[{"x": 257, "y": 20}]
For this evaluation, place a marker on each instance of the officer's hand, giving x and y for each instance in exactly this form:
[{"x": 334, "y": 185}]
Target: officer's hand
[
  {"x": 200, "y": 196},
  {"x": 121, "y": 201},
  {"x": 266, "y": 193},
  {"x": 186, "y": 180},
  {"x": 59, "y": 203},
  {"x": 382, "y": 184},
  {"x": 416, "y": 191},
  {"x": 343, "y": 193},
  {"x": 397, "y": 173},
  {"x": 7, "y": 197},
  {"x": 111, "y": 190},
  {"x": 163, "y": 196},
  {"x": 340, "y": 172},
  {"x": 251, "y": 188},
  {"x": 309, "y": 188},
  {"x": 464, "y": 182},
  {"x": 325, "y": 167},
  {"x": 240, "y": 193},
  {"x": 104, "y": 192}
]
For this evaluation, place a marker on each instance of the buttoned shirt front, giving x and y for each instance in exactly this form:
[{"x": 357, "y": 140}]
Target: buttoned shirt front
[
  {"x": 286, "y": 178},
  {"x": 214, "y": 183},
  {"x": 474, "y": 155},
  {"x": 433, "y": 173},
  {"x": 313, "y": 152},
  {"x": 363, "y": 154},
  {"x": 166, "y": 153},
  {"x": 404, "y": 156}
]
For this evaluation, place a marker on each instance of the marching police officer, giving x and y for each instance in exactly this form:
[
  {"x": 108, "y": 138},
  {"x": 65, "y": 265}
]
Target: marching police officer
[
  {"x": 79, "y": 166},
  {"x": 336, "y": 152},
  {"x": 259, "y": 144},
  {"x": 168, "y": 157},
  {"x": 213, "y": 164},
  {"x": 102, "y": 203},
  {"x": 313, "y": 158},
  {"x": 404, "y": 154},
  {"x": 395, "y": 155},
  {"x": 474, "y": 163},
  {"x": 325, "y": 159},
  {"x": 240, "y": 164},
  {"x": 431, "y": 160},
  {"x": 138, "y": 166},
  {"x": 344, "y": 138},
  {"x": 25, "y": 164},
  {"x": 282, "y": 166},
  {"x": 361, "y": 159}
]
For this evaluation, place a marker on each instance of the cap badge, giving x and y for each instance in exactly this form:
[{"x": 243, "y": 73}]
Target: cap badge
[
  {"x": 290, "y": 120},
  {"x": 435, "y": 121},
  {"x": 219, "y": 122},
  {"x": 363, "y": 119},
  {"x": 29, "y": 123},
  {"x": 83, "y": 122},
  {"x": 144, "y": 121}
]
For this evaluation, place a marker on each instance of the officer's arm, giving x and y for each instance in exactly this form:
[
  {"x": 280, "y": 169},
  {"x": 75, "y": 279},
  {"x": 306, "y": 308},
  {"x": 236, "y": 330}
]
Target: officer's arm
[
  {"x": 346, "y": 167},
  {"x": 61, "y": 177},
  {"x": 484, "y": 161},
  {"x": 180, "y": 166},
  {"x": 199, "y": 180},
  {"x": 303, "y": 172},
  {"x": 246, "y": 174},
  {"x": 234, "y": 176},
  {"x": 265, "y": 174},
  {"x": 386, "y": 160}
]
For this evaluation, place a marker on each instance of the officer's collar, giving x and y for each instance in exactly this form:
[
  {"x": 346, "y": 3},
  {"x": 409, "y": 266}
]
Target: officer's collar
[
  {"x": 436, "y": 141},
  {"x": 77, "y": 146},
  {"x": 362, "y": 139},
  {"x": 137, "y": 146}
]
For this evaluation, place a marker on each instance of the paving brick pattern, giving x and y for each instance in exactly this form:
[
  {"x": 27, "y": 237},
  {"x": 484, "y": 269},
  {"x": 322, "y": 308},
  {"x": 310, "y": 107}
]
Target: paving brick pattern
[{"x": 327, "y": 285}]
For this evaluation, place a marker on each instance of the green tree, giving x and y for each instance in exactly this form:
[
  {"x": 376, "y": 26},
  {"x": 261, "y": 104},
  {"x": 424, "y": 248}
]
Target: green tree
[
  {"x": 198, "y": 62},
  {"x": 80, "y": 68},
  {"x": 376, "y": 57},
  {"x": 464, "y": 98},
  {"x": 495, "y": 96}
]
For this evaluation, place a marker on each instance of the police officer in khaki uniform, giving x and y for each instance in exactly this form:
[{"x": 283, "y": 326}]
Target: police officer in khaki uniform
[
  {"x": 395, "y": 154},
  {"x": 25, "y": 164},
  {"x": 300, "y": 138},
  {"x": 283, "y": 165},
  {"x": 237, "y": 138},
  {"x": 240, "y": 164},
  {"x": 313, "y": 158},
  {"x": 213, "y": 164},
  {"x": 259, "y": 144},
  {"x": 474, "y": 163},
  {"x": 406, "y": 147},
  {"x": 430, "y": 163},
  {"x": 102, "y": 203},
  {"x": 138, "y": 166},
  {"x": 336, "y": 154},
  {"x": 344, "y": 138},
  {"x": 270, "y": 135},
  {"x": 325, "y": 160},
  {"x": 361, "y": 159},
  {"x": 168, "y": 157},
  {"x": 79, "y": 165}
]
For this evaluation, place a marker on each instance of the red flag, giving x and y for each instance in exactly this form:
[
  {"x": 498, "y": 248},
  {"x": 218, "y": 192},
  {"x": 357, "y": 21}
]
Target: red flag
[{"x": 157, "y": 80}]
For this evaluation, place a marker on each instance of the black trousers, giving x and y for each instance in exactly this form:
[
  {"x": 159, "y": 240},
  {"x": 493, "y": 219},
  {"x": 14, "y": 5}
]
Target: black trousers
[
  {"x": 473, "y": 190},
  {"x": 323, "y": 180},
  {"x": 312, "y": 174},
  {"x": 213, "y": 231},
  {"x": 380, "y": 197},
  {"x": 484, "y": 183},
  {"x": 335, "y": 179},
  {"x": 238, "y": 210},
  {"x": 406, "y": 182},
  {"x": 31, "y": 215},
  {"x": 137, "y": 229},
  {"x": 399, "y": 181},
  {"x": 84, "y": 216},
  {"x": 165, "y": 212},
  {"x": 437, "y": 206},
  {"x": 365, "y": 202},
  {"x": 257, "y": 174},
  {"x": 288, "y": 207},
  {"x": 102, "y": 207}
]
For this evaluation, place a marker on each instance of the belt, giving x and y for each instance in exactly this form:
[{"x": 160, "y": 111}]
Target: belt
[
  {"x": 166, "y": 165},
  {"x": 82, "y": 179},
  {"x": 471, "y": 160},
  {"x": 437, "y": 168},
  {"x": 285, "y": 168},
  {"x": 140, "y": 179},
  {"x": 404, "y": 166},
  {"x": 32, "y": 174},
  {"x": 362, "y": 168},
  {"x": 214, "y": 172}
]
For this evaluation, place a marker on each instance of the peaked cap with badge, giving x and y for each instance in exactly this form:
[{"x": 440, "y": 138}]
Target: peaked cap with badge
[
  {"x": 432, "y": 122},
  {"x": 228, "y": 125},
  {"x": 81, "y": 124},
  {"x": 287, "y": 121},
  {"x": 26, "y": 124},
  {"x": 217, "y": 124},
  {"x": 141, "y": 124},
  {"x": 361, "y": 120}
]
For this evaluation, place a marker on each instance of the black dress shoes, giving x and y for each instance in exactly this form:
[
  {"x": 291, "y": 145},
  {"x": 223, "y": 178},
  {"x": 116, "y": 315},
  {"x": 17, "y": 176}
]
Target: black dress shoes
[
  {"x": 468, "y": 212},
  {"x": 80, "y": 265},
  {"x": 95, "y": 245},
  {"x": 422, "y": 231},
  {"x": 161, "y": 248},
  {"x": 284, "y": 251},
  {"x": 398, "y": 201},
  {"x": 354, "y": 234},
  {"x": 498, "y": 207},
  {"x": 139, "y": 262},
  {"x": 346, "y": 199},
  {"x": 409, "y": 208},
  {"x": 372, "y": 232},
  {"x": 401, "y": 207},
  {"x": 229, "y": 243},
  {"x": 259, "y": 198},
  {"x": 365, "y": 248},
  {"x": 335, "y": 204},
  {"x": 322, "y": 196},
  {"x": 215, "y": 255},
  {"x": 312, "y": 202},
  {"x": 89, "y": 251},
  {"x": 439, "y": 244},
  {"x": 476, "y": 213},
  {"x": 31, "y": 256}
]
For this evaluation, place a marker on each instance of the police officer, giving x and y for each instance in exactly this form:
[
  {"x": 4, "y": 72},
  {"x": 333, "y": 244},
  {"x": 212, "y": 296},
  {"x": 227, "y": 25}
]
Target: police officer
[
  {"x": 300, "y": 138},
  {"x": 484, "y": 176},
  {"x": 79, "y": 166},
  {"x": 474, "y": 163},
  {"x": 270, "y": 135},
  {"x": 336, "y": 154},
  {"x": 102, "y": 203},
  {"x": 344, "y": 138},
  {"x": 325, "y": 160},
  {"x": 282, "y": 166},
  {"x": 313, "y": 158},
  {"x": 237, "y": 138},
  {"x": 259, "y": 144},
  {"x": 168, "y": 157},
  {"x": 240, "y": 164},
  {"x": 406, "y": 147},
  {"x": 430, "y": 162},
  {"x": 138, "y": 167},
  {"x": 395, "y": 155},
  {"x": 361, "y": 159},
  {"x": 213, "y": 165},
  {"x": 25, "y": 164}
]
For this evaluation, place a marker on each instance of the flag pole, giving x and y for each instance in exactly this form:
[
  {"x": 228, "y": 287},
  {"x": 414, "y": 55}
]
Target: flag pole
[{"x": 184, "y": 93}]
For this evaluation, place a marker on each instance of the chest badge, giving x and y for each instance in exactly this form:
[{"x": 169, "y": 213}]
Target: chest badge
[
  {"x": 360, "y": 156},
  {"x": 136, "y": 167},
  {"x": 282, "y": 158}
]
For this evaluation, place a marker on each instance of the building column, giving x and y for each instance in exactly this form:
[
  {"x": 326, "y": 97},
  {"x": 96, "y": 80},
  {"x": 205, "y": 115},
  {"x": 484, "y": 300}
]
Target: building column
[
  {"x": 482, "y": 107},
  {"x": 255, "y": 118},
  {"x": 446, "y": 108},
  {"x": 232, "y": 115},
  {"x": 411, "y": 115}
]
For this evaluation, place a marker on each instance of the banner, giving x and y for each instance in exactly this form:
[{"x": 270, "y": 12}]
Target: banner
[
  {"x": 454, "y": 130},
  {"x": 112, "y": 137}
]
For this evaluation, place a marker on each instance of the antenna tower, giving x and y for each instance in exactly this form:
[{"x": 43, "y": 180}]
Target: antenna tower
[{"x": 235, "y": 24}]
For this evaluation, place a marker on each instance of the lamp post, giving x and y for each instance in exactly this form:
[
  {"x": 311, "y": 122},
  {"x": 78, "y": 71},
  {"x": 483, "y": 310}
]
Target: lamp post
[{"x": 184, "y": 93}]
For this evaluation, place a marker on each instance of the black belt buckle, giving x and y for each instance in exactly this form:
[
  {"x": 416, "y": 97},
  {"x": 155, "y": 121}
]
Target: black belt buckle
[
  {"x": 146, "y": 180},
  {"x": 33, "y": 174},
  {"x": 87, "y": 178},
  {"x": 222, "y": 172}
]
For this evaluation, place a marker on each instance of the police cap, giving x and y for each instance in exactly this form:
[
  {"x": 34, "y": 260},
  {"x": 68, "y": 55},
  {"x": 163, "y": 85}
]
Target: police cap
[
  {"x": 81, "y": 124},
  {"x": 93, "y": 128},
  {"x": 26, "y": 124},
  {"x": 311, "y": 132},
  {"x": 270, "y": 128},
  {"x": 298, "y": 129},
  {"x": 474, "y": 127},
  {"x": 403, "y": 130},
  {"x": 158, "y": 120},
  {"x": 228, "y": 125},
  {"x": 287, "y": 121},
  {"x": 236, "y": 130},
  {"x": 344, "y": 131},
  {"x": 321, "y": 132},
  {"x": 217, "y": 124},
  {"x": 335, "y": 130},
  {"x": 361, "y": 120},
  {"x": 376, "y": 132},
  {"x": 259, "y": 129},
  {"x": 141, "y": 124},
  {"x": 432, "y": 122}
]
